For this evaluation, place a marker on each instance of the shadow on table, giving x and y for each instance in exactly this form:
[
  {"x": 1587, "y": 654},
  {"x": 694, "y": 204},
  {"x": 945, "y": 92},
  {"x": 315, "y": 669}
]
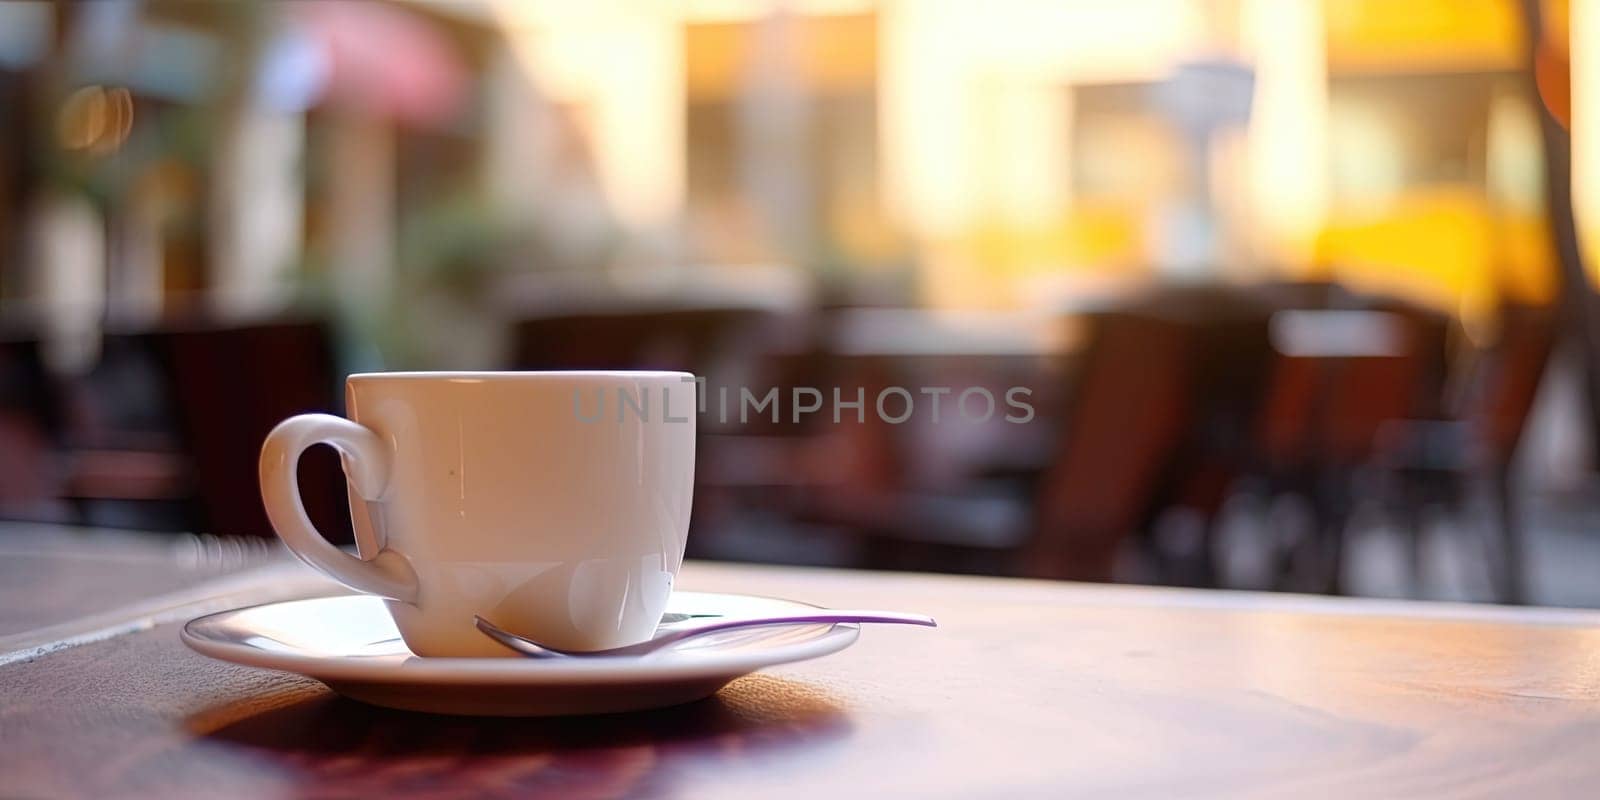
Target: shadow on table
[{"x": 343, "y": 746}]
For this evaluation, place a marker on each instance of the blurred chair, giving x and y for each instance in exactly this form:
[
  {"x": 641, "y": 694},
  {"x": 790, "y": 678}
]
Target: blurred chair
[
  {"x": 1129, "y": 409},
  {"x": 1160, "y": 406},
  {"x": 124, "y": 462},
  {"x": 31, "y": 474},
  {"x": 1339, "y": 376},
  {"x": 863, "y": 477},
  {"x": 174, "y": 417},
  {"x": 688, "y": 339},
  {"x": 1440, "y": 461},
  {"x": 1231, "y": 359},
  {"x": 229, "y": 385}
]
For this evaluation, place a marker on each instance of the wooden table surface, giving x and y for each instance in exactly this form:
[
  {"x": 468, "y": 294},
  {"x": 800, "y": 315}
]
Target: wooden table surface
[{"x": 1028, "y": 689}]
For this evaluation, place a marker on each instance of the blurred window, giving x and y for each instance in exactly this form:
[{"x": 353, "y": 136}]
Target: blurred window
[
  {"x": 1390, "y": 133},
  {"x": 1122, "y": 149},
  {"x": 782, "y": 136}
]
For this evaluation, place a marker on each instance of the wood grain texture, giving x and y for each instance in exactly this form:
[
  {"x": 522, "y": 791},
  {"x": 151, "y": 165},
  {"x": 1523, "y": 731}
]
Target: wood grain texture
[{"x": 1028, "y": 689}]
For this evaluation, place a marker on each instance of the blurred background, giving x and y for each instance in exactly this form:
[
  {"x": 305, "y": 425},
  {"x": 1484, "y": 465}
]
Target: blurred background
[{"x": 1297, "y": 286}]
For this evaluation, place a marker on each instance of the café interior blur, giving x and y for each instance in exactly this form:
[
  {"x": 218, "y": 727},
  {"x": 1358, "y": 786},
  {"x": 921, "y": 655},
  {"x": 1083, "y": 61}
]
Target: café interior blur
[{"x": 1296, "y": 288}]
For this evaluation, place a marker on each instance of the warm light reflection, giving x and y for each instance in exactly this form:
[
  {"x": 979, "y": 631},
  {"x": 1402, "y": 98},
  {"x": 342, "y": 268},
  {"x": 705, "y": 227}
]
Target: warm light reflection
[
  {"x": 618, "y": 66},
  {"x": 974, "y": 97},
  {"x": 1289, "y": 120},
  {"x": 1585, "y": 27},
  {"x": 95, "y": 118},
  {"x": 1422, "y": 35}
]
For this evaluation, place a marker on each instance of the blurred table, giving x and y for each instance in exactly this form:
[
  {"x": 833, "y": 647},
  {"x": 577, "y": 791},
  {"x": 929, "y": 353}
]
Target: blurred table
[
  {"x": 922, "y": 332},
  {"x": 1028, "y": 689}
]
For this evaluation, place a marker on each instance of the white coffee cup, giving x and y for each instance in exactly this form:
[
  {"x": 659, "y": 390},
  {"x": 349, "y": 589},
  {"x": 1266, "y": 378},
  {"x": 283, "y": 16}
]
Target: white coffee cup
[{"x": 554, "y": 504}]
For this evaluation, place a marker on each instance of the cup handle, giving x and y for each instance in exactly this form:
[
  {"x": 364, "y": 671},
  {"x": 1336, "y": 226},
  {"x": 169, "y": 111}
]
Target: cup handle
[{"x": 367, "y": 463}]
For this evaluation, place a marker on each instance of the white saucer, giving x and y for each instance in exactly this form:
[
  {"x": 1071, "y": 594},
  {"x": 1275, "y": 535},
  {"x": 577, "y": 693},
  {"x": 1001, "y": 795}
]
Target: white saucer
[{"x": 349, "y": 643}]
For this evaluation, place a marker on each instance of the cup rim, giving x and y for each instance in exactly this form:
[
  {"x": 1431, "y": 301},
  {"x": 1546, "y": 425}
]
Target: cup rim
[{"x": 470, "y": 376}]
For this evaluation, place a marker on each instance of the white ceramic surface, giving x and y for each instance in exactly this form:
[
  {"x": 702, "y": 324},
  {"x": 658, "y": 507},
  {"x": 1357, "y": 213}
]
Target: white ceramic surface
[
  {"x": 350, "y": 643},
  {"x": 554, "y": 503}
]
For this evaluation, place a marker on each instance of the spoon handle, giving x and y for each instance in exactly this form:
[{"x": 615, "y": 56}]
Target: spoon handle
[{"x": 821, "y": 617}]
